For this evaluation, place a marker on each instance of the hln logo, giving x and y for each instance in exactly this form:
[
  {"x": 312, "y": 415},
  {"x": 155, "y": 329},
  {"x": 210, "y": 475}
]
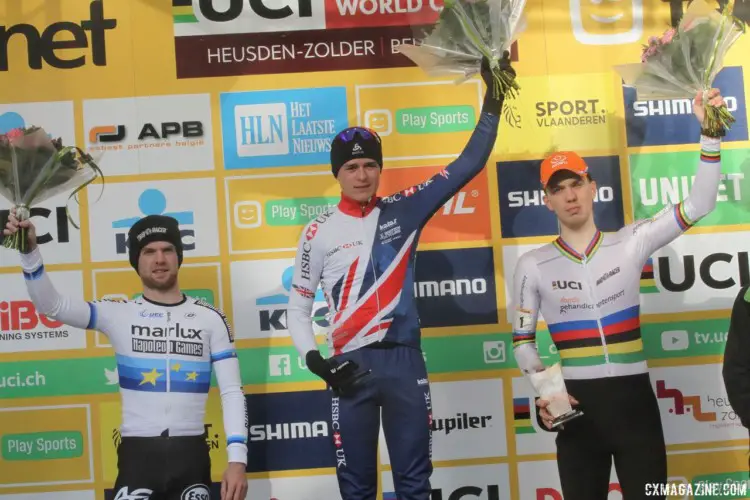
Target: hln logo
[{"x": 261, "y": 129}]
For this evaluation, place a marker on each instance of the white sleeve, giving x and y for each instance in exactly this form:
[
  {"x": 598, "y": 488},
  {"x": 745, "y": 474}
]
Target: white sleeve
[
  {"x": 525, "y": 306},
  {"x": 48, "y": 301},
  {"x": 308, "y": 268},
  {"x": 652, "y": 234},
  {"x": 227, "y": 368}
]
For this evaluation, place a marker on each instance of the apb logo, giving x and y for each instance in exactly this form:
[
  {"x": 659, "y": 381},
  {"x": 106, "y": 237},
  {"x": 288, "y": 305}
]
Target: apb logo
[
  {"x": 47, "y": 45},
  {"x": 154, "y": 202},
  {"x": 155, "y": 131}
]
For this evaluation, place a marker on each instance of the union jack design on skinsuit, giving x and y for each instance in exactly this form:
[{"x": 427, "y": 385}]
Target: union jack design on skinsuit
[{"x": 363, "y": 255}]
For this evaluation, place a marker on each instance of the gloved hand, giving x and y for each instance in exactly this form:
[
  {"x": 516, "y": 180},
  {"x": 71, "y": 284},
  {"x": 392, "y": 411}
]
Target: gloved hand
[
  {"x": 491, "y": 103},
  {"x": 343, "y": 378}
]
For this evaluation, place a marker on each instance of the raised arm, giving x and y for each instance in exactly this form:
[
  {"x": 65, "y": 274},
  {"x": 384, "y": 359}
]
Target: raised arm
[
  {"x": 308, "y": 267},
  {"x": 664, "y": 227},
  {"x": 48, "y": 301},
  {"x": 227, "y": 368},
  {"x": 425, "y": 199},
  {"x": 661, "y": 229},
  {"x": 525, "y": 303}
]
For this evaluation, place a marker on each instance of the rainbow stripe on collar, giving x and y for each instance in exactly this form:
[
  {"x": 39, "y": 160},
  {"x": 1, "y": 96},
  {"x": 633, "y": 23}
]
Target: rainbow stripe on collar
[{"x": 570, "y": 253}]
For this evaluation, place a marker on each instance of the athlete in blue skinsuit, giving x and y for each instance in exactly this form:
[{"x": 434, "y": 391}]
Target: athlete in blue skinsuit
[{"x": 362, "y": 254}]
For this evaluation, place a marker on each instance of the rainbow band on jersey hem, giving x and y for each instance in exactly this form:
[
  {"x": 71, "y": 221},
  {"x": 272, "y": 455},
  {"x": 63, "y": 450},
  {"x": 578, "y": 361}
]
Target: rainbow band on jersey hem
[
  {"x": 523, "y": 338},
  {"x": 709, "y": 156},
  {"x": 683, "y": 220},
  {"x": 570, "y": 253}
]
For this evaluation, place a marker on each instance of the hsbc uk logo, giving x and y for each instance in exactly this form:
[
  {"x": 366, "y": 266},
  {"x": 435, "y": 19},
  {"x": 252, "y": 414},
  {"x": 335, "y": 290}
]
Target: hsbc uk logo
[{"x": 336, "y": 426}]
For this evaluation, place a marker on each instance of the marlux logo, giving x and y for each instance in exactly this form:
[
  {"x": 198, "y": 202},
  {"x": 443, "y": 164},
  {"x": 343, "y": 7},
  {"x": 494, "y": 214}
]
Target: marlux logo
[
  {"x": 152, "y": 340},
  {"x": 50, "y": 44}
]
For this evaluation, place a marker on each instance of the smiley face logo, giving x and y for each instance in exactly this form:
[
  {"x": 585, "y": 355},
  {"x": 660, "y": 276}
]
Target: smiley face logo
[
  {"x": 607, "y": 22},
  {"x": 247, "y": 214}
]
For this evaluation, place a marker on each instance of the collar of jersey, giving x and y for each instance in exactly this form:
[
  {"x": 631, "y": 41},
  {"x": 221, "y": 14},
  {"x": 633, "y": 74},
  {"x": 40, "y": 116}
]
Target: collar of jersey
[
  {"x": 355, "y": 208},
  {"x": 570, "y": 253},
  {"x": 162, "y": 304}
]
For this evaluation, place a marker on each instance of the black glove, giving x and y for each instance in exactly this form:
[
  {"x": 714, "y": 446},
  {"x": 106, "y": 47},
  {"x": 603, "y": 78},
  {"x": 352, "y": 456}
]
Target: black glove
[
  {"x": 342, "y": 377},
  {"x": 493, "y": 104}
]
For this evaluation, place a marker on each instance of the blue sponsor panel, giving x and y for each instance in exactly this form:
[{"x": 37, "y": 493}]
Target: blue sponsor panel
[
  {"x": 274, "y": 128},
  {"x": 455, "y": 287},
  {"x": 671, "y": 121},
  {"x": 522, "y": 209},
  {"x": 289, "y": 431}
]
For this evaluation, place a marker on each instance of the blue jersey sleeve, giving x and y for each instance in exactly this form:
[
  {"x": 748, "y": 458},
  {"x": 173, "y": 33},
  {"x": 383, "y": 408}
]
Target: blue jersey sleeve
[{"x": 421, "y": 202}]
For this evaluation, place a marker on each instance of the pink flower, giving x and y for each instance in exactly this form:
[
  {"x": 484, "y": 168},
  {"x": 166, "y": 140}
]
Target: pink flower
[
  {"x": 668, "y": 35},
  {"x": 652, "y": 40},
  {"x": 15, "y": 134}
]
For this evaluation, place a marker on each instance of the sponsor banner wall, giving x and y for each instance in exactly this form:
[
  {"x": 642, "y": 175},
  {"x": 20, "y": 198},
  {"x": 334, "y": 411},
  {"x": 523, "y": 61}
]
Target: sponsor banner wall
[{"x": 220, "y": 113}]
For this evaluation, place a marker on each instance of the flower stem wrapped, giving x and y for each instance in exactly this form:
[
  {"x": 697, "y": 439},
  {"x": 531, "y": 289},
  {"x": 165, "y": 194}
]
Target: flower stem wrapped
[
  {"x": 466, "y": 32},
  {"x": 685, "y": 60},
  {"x": 35, "y": 167}
]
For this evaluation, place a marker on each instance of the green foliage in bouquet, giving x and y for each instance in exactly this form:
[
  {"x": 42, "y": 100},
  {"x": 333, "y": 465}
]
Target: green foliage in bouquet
[
  {"x": 35, "y": 169},
  {"x": 466, "y": 26},
  {"x": 691, "y": 53}
]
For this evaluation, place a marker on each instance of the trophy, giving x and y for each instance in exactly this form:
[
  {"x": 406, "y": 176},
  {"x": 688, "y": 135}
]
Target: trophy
[{"x": 550, "y": 386}]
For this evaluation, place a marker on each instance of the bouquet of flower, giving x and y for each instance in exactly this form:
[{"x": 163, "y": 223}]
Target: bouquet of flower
[
  {"x": 35, "y": 167},
  {"x": 466, "y": 32},
  {"x": 685, "y": 60}
]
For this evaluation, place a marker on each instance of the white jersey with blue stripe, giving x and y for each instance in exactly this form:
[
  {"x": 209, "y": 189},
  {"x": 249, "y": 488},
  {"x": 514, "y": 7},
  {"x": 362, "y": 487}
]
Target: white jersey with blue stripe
[{"x": 166, "y": 354}]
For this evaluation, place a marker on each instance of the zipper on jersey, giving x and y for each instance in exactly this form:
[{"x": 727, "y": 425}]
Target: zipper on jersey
[
  {"x": 169, "y": 370},
  {"x": 372, "y": 262},
  {"x": 592, "y": 296}
]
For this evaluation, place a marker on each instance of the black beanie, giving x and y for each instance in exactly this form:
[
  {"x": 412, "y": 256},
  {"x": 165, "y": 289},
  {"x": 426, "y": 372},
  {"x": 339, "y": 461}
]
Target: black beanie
[
  {"x": 153, "y": 228},
  {"x": 355, "y": 142}
]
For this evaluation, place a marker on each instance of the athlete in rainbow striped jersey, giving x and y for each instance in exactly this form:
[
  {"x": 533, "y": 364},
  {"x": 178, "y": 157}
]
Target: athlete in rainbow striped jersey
[{"x": 585, "y": 285}]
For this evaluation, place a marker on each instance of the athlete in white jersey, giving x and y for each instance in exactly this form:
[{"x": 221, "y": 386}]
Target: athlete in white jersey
[
  {"x": 585, "y": 285},
  {"x": 166, "y": 345}
]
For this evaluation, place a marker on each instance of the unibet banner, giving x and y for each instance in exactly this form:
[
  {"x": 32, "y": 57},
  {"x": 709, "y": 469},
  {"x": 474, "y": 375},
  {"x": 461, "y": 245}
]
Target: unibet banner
[{"x": 659, "y": 179}]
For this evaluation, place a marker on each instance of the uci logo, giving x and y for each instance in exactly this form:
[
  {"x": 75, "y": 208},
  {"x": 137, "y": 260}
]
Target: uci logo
[
  {"x": 567, "y": 285},
  {"x": 196, "y": 492}
]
